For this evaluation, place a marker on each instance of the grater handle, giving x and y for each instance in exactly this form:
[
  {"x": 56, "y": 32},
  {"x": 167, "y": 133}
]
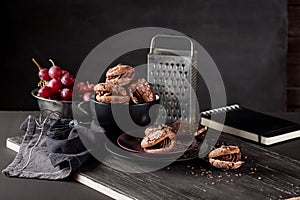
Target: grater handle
[{"x": 171, "y": 36}]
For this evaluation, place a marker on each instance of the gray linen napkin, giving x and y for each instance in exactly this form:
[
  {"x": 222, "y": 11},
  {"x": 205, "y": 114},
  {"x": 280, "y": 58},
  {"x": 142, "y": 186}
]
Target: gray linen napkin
[
  {"x": 51, "y": 149},
  {"x": 32, "y": 160}
]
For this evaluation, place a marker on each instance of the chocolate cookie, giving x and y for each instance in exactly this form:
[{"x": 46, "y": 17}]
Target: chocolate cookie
[
  {"x": 134, "y": 95},
  {"x": 112, "y": 99},
  {"x": 141, "y": 91},
  {"x": 106, "y": 89},
  {"x": 158, "y": 139},
  {"x": 108, "y": 93},
  {"x": 227, "y": 157},
  {"x": 154, "y": 128},
  {"x": 120, "y": 74}
]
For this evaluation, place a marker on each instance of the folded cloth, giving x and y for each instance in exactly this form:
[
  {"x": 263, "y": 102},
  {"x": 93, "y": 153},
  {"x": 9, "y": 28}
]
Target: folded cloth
[
  {"x": 51, "y": 149},
  {"x": 32, "y": 160},
  {"x": 64, "y": 144}
]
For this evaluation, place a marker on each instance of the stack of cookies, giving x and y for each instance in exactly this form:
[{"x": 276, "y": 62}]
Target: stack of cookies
[{"x": 119, "y": 88}]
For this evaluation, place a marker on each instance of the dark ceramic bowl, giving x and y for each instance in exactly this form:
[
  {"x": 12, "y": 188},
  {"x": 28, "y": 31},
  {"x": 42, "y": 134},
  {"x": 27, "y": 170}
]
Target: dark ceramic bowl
[{"x": 125, "y": 117}]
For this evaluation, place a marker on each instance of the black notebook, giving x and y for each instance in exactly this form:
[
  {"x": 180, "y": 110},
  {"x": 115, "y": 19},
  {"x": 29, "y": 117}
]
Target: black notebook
[{"x": 252, "y": 125}]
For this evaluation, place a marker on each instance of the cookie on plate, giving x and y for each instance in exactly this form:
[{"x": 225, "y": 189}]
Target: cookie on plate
[{"x": 158, "y": 139}]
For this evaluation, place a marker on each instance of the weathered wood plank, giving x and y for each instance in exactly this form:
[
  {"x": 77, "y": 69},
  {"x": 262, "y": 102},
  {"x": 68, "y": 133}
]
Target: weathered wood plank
[
  {"x": 293, "y": 109},
  {"x": 293, "y": 2},
  {"x": 293, "y": 97},
  {"x": 293, "y": 76},
  {"x": 293, "y": 58},
  {"x": 294, "y": 28},
  {"x": 293, "y": 44},
  {"x": 294, "y": 12},
  {"x": 263, "y": 176}
]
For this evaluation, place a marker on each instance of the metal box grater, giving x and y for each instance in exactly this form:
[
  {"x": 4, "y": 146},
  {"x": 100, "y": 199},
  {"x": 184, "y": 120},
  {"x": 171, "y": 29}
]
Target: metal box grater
[{"x": 173, "y": 74}]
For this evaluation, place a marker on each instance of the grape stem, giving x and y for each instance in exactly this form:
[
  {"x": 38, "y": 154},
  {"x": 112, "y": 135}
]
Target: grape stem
[
  {"x": 52, "y": 62},
  {"x": 88, "y": 83},
  {"x": 42, "y": 83},
  {"x": 36, "y": 63}
]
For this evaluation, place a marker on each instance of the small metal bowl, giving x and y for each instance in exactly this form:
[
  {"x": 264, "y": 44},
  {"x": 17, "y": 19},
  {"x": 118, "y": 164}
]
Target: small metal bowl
[{"x": 63, "y": 107}]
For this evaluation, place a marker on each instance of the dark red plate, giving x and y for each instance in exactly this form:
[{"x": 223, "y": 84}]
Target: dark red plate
[
  {"x": 183, "y": 144},
  {"x": 146, "y": 157}
]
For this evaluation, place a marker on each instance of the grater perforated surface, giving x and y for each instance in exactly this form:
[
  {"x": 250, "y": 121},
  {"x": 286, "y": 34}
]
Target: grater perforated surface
[{"x": 173, "y": 75}]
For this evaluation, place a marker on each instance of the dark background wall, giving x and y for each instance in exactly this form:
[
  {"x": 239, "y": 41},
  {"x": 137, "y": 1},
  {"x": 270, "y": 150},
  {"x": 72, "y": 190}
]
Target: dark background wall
[{"x": 246, "y": 39}]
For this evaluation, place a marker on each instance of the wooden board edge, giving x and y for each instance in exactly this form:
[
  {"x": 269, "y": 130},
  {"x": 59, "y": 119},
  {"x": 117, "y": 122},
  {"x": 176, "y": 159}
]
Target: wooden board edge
[
  {"x": 79, "y": 177},
  {"x": 99, "y": 187}
]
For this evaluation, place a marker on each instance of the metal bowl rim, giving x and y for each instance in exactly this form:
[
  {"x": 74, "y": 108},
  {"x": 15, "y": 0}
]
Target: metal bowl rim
[{"x": 34, "y": 92}]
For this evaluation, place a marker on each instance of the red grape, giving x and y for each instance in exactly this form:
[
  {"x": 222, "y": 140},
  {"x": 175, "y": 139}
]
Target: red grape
[
  {"x": 82, "y": 88},
  {"x": 86, "y": 96},
  {"x": 45, "y": 92},
  {"x": 76, "y": 85},
  {"x": 67, "y": 79},
  {"x": 55, "y": 96},
  {"x": 55, "y": 85},
  {"x": 55, "y": 72},
  {"x": 91, "y": 87},
  {"x": 66, "y": 94},
  {"x": 63, "y": 71},
  {"x": 43, "y": 74}
]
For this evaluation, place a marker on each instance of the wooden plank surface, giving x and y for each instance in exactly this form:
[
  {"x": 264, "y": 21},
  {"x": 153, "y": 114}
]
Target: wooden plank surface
[
  {"x": 294, "y": 2},
  {"x": 265, "y": 175},
  {"x": 294, "y": 109},
  {"x": 294, "y": 12},
  {"x": 293, "y": 56},
  {"x": 293, "y": 95},
  {"x": 293, "y": 44},
  {"x": 293, "y": 76},
  {"x": 294, "y": 29}
]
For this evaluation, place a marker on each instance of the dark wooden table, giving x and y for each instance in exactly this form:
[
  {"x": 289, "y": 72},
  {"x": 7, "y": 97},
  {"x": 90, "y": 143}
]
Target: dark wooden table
[{"x": 268, "y": 173}]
